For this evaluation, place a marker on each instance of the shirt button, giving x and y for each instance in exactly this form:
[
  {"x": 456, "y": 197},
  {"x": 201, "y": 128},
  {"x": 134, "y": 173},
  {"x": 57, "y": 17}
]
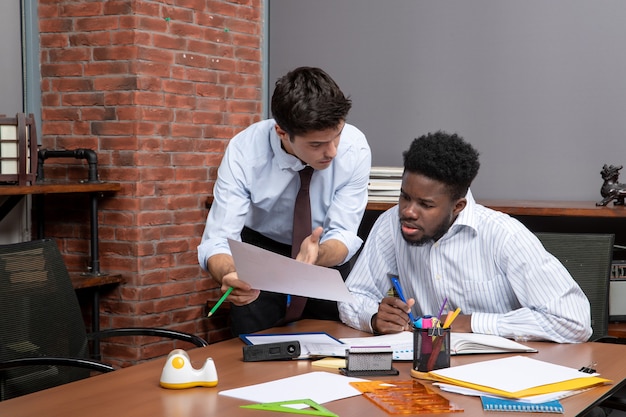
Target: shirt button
[{"x": 438, "y": 276}]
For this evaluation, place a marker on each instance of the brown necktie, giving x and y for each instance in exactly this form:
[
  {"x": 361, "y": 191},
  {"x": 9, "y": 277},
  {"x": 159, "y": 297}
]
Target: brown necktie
[{"x": 301, "y": 229}]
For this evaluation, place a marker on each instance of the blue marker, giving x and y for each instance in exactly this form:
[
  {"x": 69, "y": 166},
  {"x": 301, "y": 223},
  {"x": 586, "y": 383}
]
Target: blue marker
[{"x": 396, "y": 284}]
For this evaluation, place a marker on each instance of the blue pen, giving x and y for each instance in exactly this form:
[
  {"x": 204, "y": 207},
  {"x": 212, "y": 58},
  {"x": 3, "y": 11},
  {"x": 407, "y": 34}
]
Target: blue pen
[{"x": 396, "y": 284}]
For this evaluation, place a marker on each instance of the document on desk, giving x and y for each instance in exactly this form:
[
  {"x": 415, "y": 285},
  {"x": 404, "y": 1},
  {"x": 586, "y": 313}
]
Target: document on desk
[
  {"x": 319, "y": 386},
  {"x": 268, "y": 271},
  {"x": 460, "y": 344},
  {"x": 517, "y": 377}
]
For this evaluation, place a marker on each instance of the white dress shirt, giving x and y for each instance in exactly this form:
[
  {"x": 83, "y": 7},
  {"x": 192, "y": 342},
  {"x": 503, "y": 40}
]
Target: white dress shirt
[
  {"x": 257, "y": 183},
  {"x": 488, "y": 264}
]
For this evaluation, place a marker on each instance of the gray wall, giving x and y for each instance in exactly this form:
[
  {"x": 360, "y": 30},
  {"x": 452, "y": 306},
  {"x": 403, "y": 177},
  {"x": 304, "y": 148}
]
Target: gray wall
[
  {"x": 10, "y": 59},
  {"x": 539, "y": 87},
  {"x": 15, "y": 226}
]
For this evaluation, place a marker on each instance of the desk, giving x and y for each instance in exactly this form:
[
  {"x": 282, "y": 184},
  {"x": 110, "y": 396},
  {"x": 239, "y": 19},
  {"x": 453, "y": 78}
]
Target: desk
[{"x": 135, "y": 390}]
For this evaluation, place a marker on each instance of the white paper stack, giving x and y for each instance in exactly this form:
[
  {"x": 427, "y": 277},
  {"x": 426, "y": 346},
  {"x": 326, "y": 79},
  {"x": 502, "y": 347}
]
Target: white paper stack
[{"x": 384, "y": 184}]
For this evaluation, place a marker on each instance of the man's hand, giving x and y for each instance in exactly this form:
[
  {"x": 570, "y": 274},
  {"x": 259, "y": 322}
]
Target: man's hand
[
  {"x": 310, "y": 247},
  {"x": 242, "y": 292},
  {"x": 392, "y": 316}
]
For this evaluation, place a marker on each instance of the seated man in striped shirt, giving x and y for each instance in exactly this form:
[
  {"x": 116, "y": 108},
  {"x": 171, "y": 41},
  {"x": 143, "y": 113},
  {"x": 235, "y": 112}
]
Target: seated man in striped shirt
[{"x": 442, "y": 245}]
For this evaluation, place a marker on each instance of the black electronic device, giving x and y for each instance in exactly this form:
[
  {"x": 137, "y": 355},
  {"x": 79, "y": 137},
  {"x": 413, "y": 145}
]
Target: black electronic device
[{"x": 271, "y": 351}]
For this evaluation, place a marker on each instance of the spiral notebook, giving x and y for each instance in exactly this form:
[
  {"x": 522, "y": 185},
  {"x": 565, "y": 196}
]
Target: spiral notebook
[{"x": 502, "y": 404}]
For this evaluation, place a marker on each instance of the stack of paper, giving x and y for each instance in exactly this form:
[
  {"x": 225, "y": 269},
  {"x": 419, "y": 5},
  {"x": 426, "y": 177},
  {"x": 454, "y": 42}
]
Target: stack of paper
[
  {"x": 384, "y": 184},
  {"x": 517, "y": 377}
]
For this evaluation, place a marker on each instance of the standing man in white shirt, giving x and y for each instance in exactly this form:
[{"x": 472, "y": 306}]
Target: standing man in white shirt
[
  {"x": 442, "y": 245},
  {"x": 256, "y": 187}
]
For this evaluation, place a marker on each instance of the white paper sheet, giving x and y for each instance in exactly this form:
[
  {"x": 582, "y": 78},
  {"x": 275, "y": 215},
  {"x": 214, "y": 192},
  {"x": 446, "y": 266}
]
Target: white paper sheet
[
  {"x": 321, "y": 387},
  {"x": 268, "y": 271},
  {"x": 512, "y": 374}
]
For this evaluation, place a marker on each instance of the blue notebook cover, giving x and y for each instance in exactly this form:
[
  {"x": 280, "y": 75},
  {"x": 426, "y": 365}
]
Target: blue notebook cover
[{"x": 502, "y": 404}]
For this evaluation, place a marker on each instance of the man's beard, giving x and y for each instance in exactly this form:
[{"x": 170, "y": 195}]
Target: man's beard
[{"x": 441, "y": 230}]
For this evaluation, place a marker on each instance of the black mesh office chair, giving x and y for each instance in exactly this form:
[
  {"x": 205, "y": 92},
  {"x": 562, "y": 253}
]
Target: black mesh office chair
[
  {"x": 43, "y": 340},
  {"x": 588, "y": 259}
]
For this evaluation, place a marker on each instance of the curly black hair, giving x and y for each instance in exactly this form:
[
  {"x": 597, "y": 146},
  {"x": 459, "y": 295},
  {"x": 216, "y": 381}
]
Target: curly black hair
[
  {"x": 306, "y": 100},
  {"x": 444, "y": 157}
]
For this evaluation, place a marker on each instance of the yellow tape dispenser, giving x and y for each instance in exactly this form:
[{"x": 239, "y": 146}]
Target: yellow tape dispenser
[{"x": 178, "y": 373}]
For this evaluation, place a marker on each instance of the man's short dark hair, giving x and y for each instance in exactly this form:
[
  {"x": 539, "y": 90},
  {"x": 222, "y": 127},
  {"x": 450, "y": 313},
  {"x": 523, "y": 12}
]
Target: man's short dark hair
[
  {"x": 446, "y": 158},
  {"x": 306, "y": 100}
]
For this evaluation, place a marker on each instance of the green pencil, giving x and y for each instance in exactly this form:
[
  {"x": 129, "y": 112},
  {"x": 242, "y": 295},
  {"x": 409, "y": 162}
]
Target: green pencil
[{"x": 219, "y": 302}]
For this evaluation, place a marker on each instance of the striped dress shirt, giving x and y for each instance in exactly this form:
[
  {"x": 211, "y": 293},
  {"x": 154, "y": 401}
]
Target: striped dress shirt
[{"x": 488, "y": 264}]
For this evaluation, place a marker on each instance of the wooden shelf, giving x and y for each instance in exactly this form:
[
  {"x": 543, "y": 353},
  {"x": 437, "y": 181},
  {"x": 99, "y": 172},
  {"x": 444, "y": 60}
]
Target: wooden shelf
[
  {"x": 52, "y": 187},
  {"x": 537, "y": 208},
  {"x": 525, "y": 208},
  {"x": 80, "y": 281},
  {"x": 556, "y": 208}
]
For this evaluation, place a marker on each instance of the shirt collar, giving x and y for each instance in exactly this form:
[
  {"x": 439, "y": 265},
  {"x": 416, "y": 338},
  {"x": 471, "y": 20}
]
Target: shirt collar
[
  {"x": 283, "y": 159},
  {"x": 467, "y": 216}
]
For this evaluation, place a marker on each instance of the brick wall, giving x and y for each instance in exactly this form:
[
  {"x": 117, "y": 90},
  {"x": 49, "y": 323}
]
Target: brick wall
[{"x": 156, "y": 88}]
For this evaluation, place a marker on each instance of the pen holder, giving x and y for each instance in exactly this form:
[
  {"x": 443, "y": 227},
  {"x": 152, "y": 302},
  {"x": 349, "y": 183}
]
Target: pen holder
[{"x": 431, "y": 349}]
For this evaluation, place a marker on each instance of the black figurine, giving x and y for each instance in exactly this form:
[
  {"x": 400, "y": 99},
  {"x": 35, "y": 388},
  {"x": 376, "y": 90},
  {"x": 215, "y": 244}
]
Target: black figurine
[{"x": 612, "y": 189}]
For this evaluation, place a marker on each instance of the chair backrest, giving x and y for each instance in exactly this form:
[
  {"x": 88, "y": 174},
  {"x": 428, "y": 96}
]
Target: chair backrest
[
  {"x": 39, "y": 316},
  {"x": 588, "y": 259}
]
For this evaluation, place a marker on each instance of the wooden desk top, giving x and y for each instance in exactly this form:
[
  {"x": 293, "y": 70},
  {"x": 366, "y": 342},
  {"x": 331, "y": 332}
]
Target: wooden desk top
[
  {"x": 59, "y": 188},
  {"x": 135, "y": 390}
]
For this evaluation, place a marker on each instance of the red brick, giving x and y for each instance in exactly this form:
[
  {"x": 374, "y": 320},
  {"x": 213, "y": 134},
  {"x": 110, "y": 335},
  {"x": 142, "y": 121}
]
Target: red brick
[
  {"x": 55, "y": 40},
  {"x": 106, "y": 68},
  {"x": 119, "y": 98},
  {"x": 91, "y": 24},
  {"x": 178, "y": 87},
  {"x": 149, "y": 98},
  {"x": 61, "y": 70},
  {"x": 112, "y": 7},
  {"x": 55, "y": 25},
  {"x": 156, "y": 55},
  {"x": 155, "y": 69},
  {"x": 83, "y": 99},
  {"x": 148, "y": 8},
  {"x": 185, "y": 102},
  {"x": 47, "y": 10}
]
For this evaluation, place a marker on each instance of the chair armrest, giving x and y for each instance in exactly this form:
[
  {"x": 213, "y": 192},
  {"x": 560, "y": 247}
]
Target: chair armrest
[
  {"x": 610, "y": 339},
  {"x": 58, "y": 361},
  {"x": 147, "y": 331}
]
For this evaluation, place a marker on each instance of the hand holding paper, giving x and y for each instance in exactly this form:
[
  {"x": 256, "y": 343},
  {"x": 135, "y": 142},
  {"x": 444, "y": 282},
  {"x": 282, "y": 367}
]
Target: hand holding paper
[{"x": 268, "y": 271}]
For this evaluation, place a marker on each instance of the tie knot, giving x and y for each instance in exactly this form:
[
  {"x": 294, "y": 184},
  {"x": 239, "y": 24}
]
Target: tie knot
[{"x": 305, "y": 177}]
